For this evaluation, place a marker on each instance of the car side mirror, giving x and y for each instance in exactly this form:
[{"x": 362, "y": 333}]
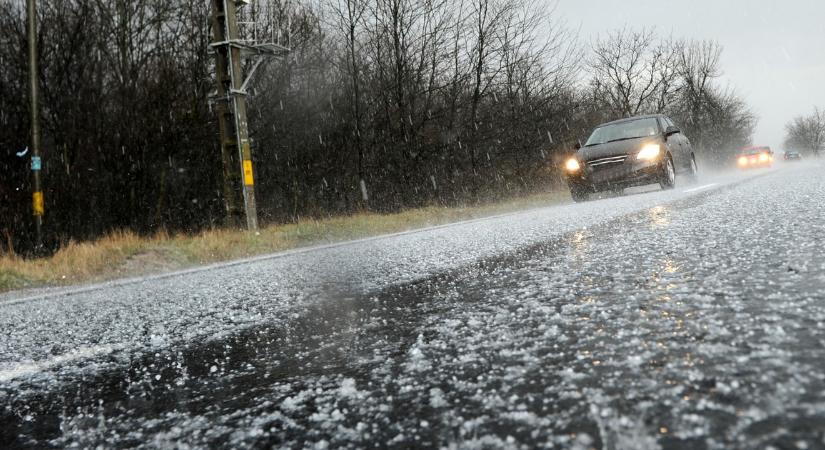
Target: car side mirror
[
  {"x": 577, "y": 145},
  {"x": 671, "y": 130}
]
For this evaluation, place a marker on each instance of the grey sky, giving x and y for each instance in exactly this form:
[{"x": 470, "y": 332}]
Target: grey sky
[{"x": 774, "y": 51}]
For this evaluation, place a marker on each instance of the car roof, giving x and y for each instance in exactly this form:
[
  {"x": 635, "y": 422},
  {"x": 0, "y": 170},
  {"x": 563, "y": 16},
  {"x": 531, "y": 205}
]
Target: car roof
[
  {"x": 760, "y": 148},
  {"x": 630, "y": 119}
]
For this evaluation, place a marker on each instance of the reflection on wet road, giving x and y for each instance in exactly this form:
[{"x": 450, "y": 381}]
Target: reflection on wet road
[{"x": 698, "y": 322}]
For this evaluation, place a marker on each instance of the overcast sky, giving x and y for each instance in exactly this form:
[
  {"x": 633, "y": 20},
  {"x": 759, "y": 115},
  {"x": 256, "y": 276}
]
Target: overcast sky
[{"x": 774, "y": 51}]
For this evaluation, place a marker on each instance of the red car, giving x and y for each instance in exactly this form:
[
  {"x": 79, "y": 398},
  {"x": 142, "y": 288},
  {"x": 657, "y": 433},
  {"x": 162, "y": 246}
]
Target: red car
[{"x": 754, "y": 157}]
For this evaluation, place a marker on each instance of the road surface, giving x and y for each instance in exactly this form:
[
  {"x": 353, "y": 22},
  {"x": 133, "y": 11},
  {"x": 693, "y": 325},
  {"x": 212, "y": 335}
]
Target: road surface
[{"x": 693, "y": 318}]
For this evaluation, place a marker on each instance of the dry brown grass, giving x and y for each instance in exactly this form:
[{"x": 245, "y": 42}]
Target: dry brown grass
[
  {"x": 124, "y": 253},
  {"x": 76, "y": 261}
]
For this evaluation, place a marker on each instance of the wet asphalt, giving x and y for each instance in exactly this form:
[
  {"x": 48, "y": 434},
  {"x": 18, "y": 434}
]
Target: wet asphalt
[{"x": 686, "y": 319}]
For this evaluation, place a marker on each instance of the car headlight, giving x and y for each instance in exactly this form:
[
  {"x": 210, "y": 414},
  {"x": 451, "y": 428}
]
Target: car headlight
[
  {"x": 743, "y": 161},
  {"x": 764, "y": 157},
  {"x": 649, "y": 152},
  {"x": 572, "y": 165}
]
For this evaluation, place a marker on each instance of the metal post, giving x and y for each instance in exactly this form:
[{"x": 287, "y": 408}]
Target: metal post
[
  {"x": 232, "y": 114},
  {"x": 37, "y": 192}
]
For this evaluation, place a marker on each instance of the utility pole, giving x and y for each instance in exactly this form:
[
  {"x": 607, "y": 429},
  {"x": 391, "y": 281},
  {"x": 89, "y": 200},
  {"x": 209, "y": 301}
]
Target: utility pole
[
  {"x": 236, "y": 154},
  {"x": 38, "y": 207}
]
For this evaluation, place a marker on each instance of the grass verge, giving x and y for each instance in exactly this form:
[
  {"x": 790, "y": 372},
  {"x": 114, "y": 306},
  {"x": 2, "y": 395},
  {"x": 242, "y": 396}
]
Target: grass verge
[{"x": 125, "y": 254}]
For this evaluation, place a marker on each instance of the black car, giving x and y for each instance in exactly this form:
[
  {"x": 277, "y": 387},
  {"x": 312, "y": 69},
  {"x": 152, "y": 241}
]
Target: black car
[
  {"x": 793, "y": 155},
  {"x": 630, "y": 152}
]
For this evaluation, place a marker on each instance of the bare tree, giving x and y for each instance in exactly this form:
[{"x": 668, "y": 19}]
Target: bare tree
[
  {"x": 807, "y": 133},
  {"x": 486, "y": 19},
  {"x": 728, "y": 124},
  {"x": 350, "y": 22},
  {"x": 698, "y": 68},
  {"x": 631, "y": 70}
]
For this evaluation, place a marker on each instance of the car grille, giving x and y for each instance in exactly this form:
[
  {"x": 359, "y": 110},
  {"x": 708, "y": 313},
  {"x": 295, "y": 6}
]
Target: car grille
[{"x": 601, "y": 163}]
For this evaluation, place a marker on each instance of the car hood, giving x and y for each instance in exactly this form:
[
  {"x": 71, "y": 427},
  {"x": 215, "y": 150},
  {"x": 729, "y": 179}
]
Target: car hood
[{"x": 617, "y": 148}]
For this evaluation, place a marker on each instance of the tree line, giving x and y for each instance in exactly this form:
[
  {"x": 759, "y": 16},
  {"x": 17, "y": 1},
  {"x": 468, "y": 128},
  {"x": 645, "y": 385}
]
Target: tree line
[
  {"x": 380, "y": 105},
  {"x": 806, "y": 133}
]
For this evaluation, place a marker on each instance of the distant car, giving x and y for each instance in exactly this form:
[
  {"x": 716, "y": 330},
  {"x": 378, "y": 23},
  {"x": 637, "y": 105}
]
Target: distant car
[
  {"x": 754, "y": 157},
  {"x": 792, "y": 155},
  {"x": 630, "y": 152}
]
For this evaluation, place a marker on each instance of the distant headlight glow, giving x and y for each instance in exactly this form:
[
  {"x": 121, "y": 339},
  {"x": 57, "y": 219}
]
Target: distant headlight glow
[
  {"x": 572, "y": 165},
  {"x": 743, "y": 161},
  {"x": 764, "y": 157},
  {"x": 649, "y": 152}
]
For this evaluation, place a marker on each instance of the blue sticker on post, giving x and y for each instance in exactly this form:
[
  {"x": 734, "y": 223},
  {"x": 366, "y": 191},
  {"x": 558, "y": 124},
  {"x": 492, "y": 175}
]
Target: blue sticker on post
[{"x": 36, "y": 163}]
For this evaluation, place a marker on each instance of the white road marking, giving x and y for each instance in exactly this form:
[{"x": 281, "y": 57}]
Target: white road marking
[{"x": 700, "y": 188}]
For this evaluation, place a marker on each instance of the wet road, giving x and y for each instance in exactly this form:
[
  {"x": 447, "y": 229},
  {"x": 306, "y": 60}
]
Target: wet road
[{"x": 686, "y": 319}]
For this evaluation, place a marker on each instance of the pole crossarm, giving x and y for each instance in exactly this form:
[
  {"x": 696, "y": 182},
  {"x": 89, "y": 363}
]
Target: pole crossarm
[{"x": 270, "y": 49}]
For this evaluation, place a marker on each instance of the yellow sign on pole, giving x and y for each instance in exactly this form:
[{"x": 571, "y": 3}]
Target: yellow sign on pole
[
  {"x": 37, "y": 204},
  {"x": 248, "y": 178}
]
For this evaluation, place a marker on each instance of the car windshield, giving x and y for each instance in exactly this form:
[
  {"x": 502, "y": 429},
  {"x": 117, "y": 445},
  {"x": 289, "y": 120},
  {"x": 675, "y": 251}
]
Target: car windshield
[
  {"x": 755, "y": 151},
  {"x": 624, "y": 130}
]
